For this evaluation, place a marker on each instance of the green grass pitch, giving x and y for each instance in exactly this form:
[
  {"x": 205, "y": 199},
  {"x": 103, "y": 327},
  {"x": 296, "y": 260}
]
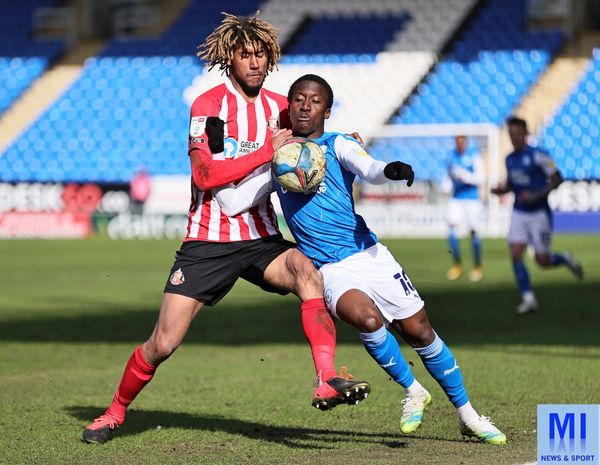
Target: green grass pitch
[{"x": 238, "y": 390}]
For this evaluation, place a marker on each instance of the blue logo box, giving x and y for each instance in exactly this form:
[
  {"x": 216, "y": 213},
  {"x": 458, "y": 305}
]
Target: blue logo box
[{"x": 568, "y": 434}]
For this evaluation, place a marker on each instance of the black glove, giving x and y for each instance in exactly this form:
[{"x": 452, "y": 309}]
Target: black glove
[
  {"x": 215, "y": 133},
  {"x": 397, "y": 170}
]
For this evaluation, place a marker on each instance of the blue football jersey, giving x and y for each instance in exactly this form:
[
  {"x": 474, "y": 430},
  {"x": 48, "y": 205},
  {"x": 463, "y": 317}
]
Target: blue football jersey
[
  {"x": 324, "y": 223},
  {"x": 465, "y": 161},
  {"x": 529, "y": 170}
]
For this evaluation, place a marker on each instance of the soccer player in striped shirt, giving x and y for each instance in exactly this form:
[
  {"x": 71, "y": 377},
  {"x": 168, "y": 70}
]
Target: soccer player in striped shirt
[{"x": 221, "y": 247}]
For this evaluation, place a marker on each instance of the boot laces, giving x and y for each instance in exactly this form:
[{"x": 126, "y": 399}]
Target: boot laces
[{"x": 107, "y": 419}]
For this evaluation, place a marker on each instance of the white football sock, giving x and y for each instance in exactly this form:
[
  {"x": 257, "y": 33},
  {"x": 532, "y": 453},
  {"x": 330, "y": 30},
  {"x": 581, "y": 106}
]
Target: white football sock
[
  {"x": 467, "y": 413},
  {"x": 528, "y": 296},
  {"x": 414, "y": 389}
]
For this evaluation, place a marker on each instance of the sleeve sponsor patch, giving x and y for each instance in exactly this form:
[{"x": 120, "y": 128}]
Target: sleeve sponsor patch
[
  {"x": 543, "y": 160},
  {"x": 197, "y": 126}
]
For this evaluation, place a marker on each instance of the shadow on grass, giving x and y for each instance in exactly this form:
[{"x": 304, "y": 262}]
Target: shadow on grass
[
  {"x": 139, "y": 421},
  {"x": 474, "y": 317}
]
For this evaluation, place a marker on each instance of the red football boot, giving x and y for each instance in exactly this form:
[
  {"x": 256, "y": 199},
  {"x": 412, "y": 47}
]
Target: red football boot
[{"x": 340, "y": 390}]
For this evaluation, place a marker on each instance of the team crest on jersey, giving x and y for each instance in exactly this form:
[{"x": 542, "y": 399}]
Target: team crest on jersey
[
  {"x": 177, "y": 278},
  {"x": 526, "y": 160},
  {"x": 197, "y": 126},
  {"x": 273, "y": 124}
]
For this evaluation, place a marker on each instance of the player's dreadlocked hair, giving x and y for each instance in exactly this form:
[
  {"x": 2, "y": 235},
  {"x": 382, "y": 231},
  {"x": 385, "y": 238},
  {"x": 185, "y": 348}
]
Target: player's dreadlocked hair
[{"x": 233, "y": 32}]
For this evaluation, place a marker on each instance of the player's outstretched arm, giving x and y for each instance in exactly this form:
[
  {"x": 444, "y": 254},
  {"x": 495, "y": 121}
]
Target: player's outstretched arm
[
  {"x": 209, "y": 173},
  {"x": 397, "y": 171},
  {"x": 237, "y": 198},
  {"x": 475, "y": 178},
  {"x": 354, "y": 159}
]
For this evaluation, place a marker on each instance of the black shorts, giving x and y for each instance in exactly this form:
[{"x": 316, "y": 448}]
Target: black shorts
[{"x": 206, "y": 271}]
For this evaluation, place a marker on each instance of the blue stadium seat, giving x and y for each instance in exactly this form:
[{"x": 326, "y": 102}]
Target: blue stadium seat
[
  {"x": 22, "y": 59},
  {"x": 573, "y": 134},
  {"x": 484, "y": 75},
  {"x": 366, "y": 35}
]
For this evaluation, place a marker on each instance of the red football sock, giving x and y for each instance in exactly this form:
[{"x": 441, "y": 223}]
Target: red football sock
[
  {"x": 137, "y": 374},
  {"x": 319, "y": 329}
]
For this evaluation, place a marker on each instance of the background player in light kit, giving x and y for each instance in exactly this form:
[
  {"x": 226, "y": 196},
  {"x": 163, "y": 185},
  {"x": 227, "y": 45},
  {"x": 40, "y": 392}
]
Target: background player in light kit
[{"x": 465, "y": 175}]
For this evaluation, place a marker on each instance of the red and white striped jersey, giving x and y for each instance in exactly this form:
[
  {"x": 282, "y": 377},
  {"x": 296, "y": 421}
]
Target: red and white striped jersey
[{"x": 247, "y": 127}]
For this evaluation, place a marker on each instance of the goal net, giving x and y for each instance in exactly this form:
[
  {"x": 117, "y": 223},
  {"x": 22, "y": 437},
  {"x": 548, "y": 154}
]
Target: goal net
[{"x": 393, "y": 210}]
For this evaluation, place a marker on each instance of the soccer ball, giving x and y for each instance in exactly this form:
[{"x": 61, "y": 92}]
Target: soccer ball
[{"x": 299, "y": 165}]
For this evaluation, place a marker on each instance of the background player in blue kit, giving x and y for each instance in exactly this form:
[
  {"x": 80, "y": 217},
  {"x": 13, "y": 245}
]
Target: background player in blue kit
[
  {"x": 465, "y": 173},
  {"x": 531, "y": 175},
  {"x": 364, "y": 285}
]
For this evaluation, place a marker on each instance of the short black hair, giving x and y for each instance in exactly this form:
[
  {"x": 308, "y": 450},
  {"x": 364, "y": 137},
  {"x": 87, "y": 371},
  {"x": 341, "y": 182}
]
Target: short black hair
[
  {"x": 318, "y": 80},
  {"x": 516, "y": 121}
]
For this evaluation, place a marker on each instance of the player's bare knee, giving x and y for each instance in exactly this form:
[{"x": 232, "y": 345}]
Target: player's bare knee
[
  {"x": 419, "y": 337},
  {"x": 162, "y": 347},
  {"x": 417, "y": 330},
  {"x": 426, "y": 335},
  {"x": 370, "y": 321},
  {"x": 542, "y": 260}
]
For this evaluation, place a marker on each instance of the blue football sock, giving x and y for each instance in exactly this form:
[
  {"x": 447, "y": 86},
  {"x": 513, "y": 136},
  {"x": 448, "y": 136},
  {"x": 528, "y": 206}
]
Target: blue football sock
[
  {"x": 441, "y": 364},
  {"x": 557, "y": 259},
  {"x": 476, "y": 244},
  {"x": 522, "y": 276},
  {"x": 454, "y": 245},
  {"x": 384, "y": 349}
]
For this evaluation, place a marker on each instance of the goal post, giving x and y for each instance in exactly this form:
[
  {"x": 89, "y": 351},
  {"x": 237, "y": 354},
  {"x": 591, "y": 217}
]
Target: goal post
[{"x": 392, "y": 210}]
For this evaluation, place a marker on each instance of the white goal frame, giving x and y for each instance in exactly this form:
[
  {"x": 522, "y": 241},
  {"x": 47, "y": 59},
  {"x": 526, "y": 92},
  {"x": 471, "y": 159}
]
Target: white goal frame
[{"x": 431, "y": 217}]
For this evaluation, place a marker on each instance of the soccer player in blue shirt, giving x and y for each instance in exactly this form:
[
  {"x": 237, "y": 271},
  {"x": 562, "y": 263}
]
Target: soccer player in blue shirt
[
  {"x": 531, "y": 175},
  {"x": 364, "y": 285},
  {"x": 465, "y": 172}
]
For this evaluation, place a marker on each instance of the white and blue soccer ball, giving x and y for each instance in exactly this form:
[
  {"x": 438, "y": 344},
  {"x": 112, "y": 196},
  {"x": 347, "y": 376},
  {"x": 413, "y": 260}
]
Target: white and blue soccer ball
[{"x": 299, "y": 165}]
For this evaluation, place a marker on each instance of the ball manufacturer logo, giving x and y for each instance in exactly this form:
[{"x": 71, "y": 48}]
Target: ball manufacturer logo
[{"x": 308, "y": 177}]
